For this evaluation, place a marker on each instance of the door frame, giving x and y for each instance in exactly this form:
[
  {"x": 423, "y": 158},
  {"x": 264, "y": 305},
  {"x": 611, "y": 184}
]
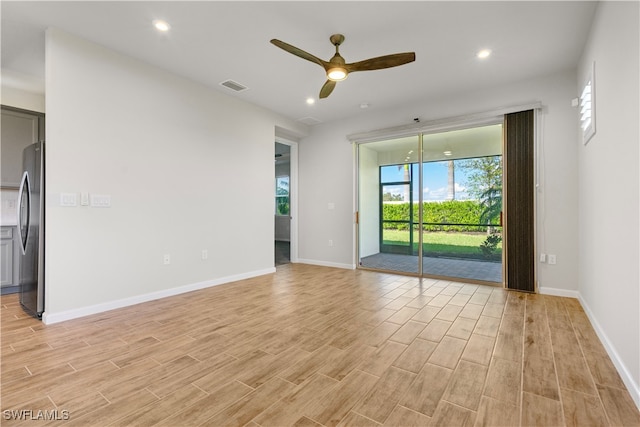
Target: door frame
[
  {"x": 421, "y": 272},
  {"x": 427, "y": 129}
]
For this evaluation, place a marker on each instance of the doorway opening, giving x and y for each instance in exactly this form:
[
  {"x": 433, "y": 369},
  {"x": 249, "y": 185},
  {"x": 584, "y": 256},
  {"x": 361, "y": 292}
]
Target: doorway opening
[
  {"x": 283, "y": 203},
  {"x": 431, "y": 205}
]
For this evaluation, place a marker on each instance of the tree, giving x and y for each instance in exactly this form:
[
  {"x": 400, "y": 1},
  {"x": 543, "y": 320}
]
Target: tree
[
  {"x": 491, "y": 201},
  {"x": 388, "y": 197},
  {"x": 406, "y": 178},
  {"x": 484, "y": 183},
  {"x": 451, "y": 181}
]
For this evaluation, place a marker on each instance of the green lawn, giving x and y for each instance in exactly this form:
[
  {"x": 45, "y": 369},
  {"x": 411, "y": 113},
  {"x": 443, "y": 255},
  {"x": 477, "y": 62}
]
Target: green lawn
[{"x": 451, "y": 244}]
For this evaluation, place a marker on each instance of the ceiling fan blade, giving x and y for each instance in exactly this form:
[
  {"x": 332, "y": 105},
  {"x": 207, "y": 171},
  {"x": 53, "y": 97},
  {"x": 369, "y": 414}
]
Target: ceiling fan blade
[
  {"x": 327, "y": 88},
  {"x": 298, "y": 52},
  {"x": 382, "y": 62}
]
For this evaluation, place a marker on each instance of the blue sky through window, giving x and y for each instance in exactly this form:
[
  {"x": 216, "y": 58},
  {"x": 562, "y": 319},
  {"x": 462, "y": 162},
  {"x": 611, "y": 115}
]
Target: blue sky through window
[{"x": 435, "y": 175}]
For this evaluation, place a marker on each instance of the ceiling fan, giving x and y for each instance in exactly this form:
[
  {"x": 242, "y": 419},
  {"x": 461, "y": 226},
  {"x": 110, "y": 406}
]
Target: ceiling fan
[{"x": 337, "y": 69}]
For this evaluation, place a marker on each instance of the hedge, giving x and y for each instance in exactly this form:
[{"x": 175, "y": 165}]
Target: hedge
[{"x": 450, "y": 211}]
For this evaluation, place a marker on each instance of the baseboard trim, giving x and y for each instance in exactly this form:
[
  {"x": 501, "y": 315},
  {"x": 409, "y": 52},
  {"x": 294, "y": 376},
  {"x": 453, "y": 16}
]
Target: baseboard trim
[
  {"x": 9, "y": 290},
  {"x": 559, "y": 292},
  {"x": 51, "y": 318},
  {"x": 627, "y": 378},
  {"x": 326, "y": 264}
]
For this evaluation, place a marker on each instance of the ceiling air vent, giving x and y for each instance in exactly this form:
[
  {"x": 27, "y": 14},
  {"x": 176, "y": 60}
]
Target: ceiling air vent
[
  {"x": 309, "y": 121},
  {"x": 234, "y": 86}
]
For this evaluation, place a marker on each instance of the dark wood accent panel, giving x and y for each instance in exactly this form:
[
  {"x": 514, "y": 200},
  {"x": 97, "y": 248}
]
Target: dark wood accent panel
[{"x": 519, "y": 198}]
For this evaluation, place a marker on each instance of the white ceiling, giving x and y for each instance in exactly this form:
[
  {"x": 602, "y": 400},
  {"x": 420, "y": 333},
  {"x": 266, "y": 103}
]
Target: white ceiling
[{"x": 213, "y": 41}]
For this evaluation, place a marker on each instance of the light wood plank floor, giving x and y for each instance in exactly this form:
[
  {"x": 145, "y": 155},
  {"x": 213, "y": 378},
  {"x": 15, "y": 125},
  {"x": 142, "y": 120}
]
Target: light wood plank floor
[{"x": 313, "y": 346}]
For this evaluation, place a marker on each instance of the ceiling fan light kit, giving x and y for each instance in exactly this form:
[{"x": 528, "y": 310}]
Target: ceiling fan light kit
[
  {"x": 337, "y": 74},
  {"x": 337, "y": 69}
]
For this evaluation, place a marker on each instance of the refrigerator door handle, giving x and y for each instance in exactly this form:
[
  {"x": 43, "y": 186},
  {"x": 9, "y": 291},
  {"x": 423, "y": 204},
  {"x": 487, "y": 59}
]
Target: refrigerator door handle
[{"x": 23, "y": 238}]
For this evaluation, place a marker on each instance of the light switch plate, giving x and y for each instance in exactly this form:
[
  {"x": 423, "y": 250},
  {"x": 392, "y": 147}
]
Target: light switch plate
[{"x": 68, "y": 199}]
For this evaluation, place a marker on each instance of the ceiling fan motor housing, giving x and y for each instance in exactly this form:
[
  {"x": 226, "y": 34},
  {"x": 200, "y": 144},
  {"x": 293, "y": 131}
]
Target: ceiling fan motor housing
[{"x": 337, "y": 69}]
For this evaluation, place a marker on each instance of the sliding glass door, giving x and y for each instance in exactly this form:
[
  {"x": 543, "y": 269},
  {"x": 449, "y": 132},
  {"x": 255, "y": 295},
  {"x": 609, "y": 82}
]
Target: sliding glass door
[
  {"x": 462, "y": 187},
  {"x": 388, "y": 189},
  {"x": 437, "y": 210}
]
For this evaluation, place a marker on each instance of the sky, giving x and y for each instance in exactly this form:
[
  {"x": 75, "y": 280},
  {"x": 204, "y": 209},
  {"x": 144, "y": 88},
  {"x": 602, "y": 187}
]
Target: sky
[{"x": 435, "y": 175}]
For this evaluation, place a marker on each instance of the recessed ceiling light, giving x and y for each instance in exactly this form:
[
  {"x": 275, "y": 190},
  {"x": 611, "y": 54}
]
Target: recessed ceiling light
[
  {"x": 484, "y": 53},
  {"x": 161, "y": 25},
  {"x": 311, "y": 101},
  {"x": 447, "y": 153}
]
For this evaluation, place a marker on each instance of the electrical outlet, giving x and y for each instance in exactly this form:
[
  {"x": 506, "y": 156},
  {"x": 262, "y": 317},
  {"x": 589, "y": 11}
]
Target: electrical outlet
[
  {"x": 330, "y": 243},
  {"x": 552, "y": 259},
  {"x": 205, "y": 254},
  {"x": 167, "y": 259},
  {"x": 100, "y": 201},
  {"x": 543, "y": 257}
]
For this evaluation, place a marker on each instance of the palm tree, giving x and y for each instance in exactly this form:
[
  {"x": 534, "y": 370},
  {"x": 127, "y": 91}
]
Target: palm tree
[
  {"x": 491, "y": 200},
  {"x": 406, "y": 178},
  {"x": 451, "y": 182}
]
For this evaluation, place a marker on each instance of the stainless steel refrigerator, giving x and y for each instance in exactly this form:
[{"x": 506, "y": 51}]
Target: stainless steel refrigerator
[{"x": 31, "y": 230}]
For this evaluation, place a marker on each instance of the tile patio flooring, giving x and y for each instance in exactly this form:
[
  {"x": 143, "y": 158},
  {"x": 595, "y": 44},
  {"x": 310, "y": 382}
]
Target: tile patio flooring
[{"x": 458, "y": 268}]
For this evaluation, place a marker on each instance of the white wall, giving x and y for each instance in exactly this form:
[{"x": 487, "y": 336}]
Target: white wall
[
  {"x": 557, "y": 231},
  {"x": 187, "y": 169},
  {"x": 22, "y": 99},
  {"x": 369, "y": 217},
  {"x": 326, "y": 177},
  {"x": 609, "y": 189}
]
